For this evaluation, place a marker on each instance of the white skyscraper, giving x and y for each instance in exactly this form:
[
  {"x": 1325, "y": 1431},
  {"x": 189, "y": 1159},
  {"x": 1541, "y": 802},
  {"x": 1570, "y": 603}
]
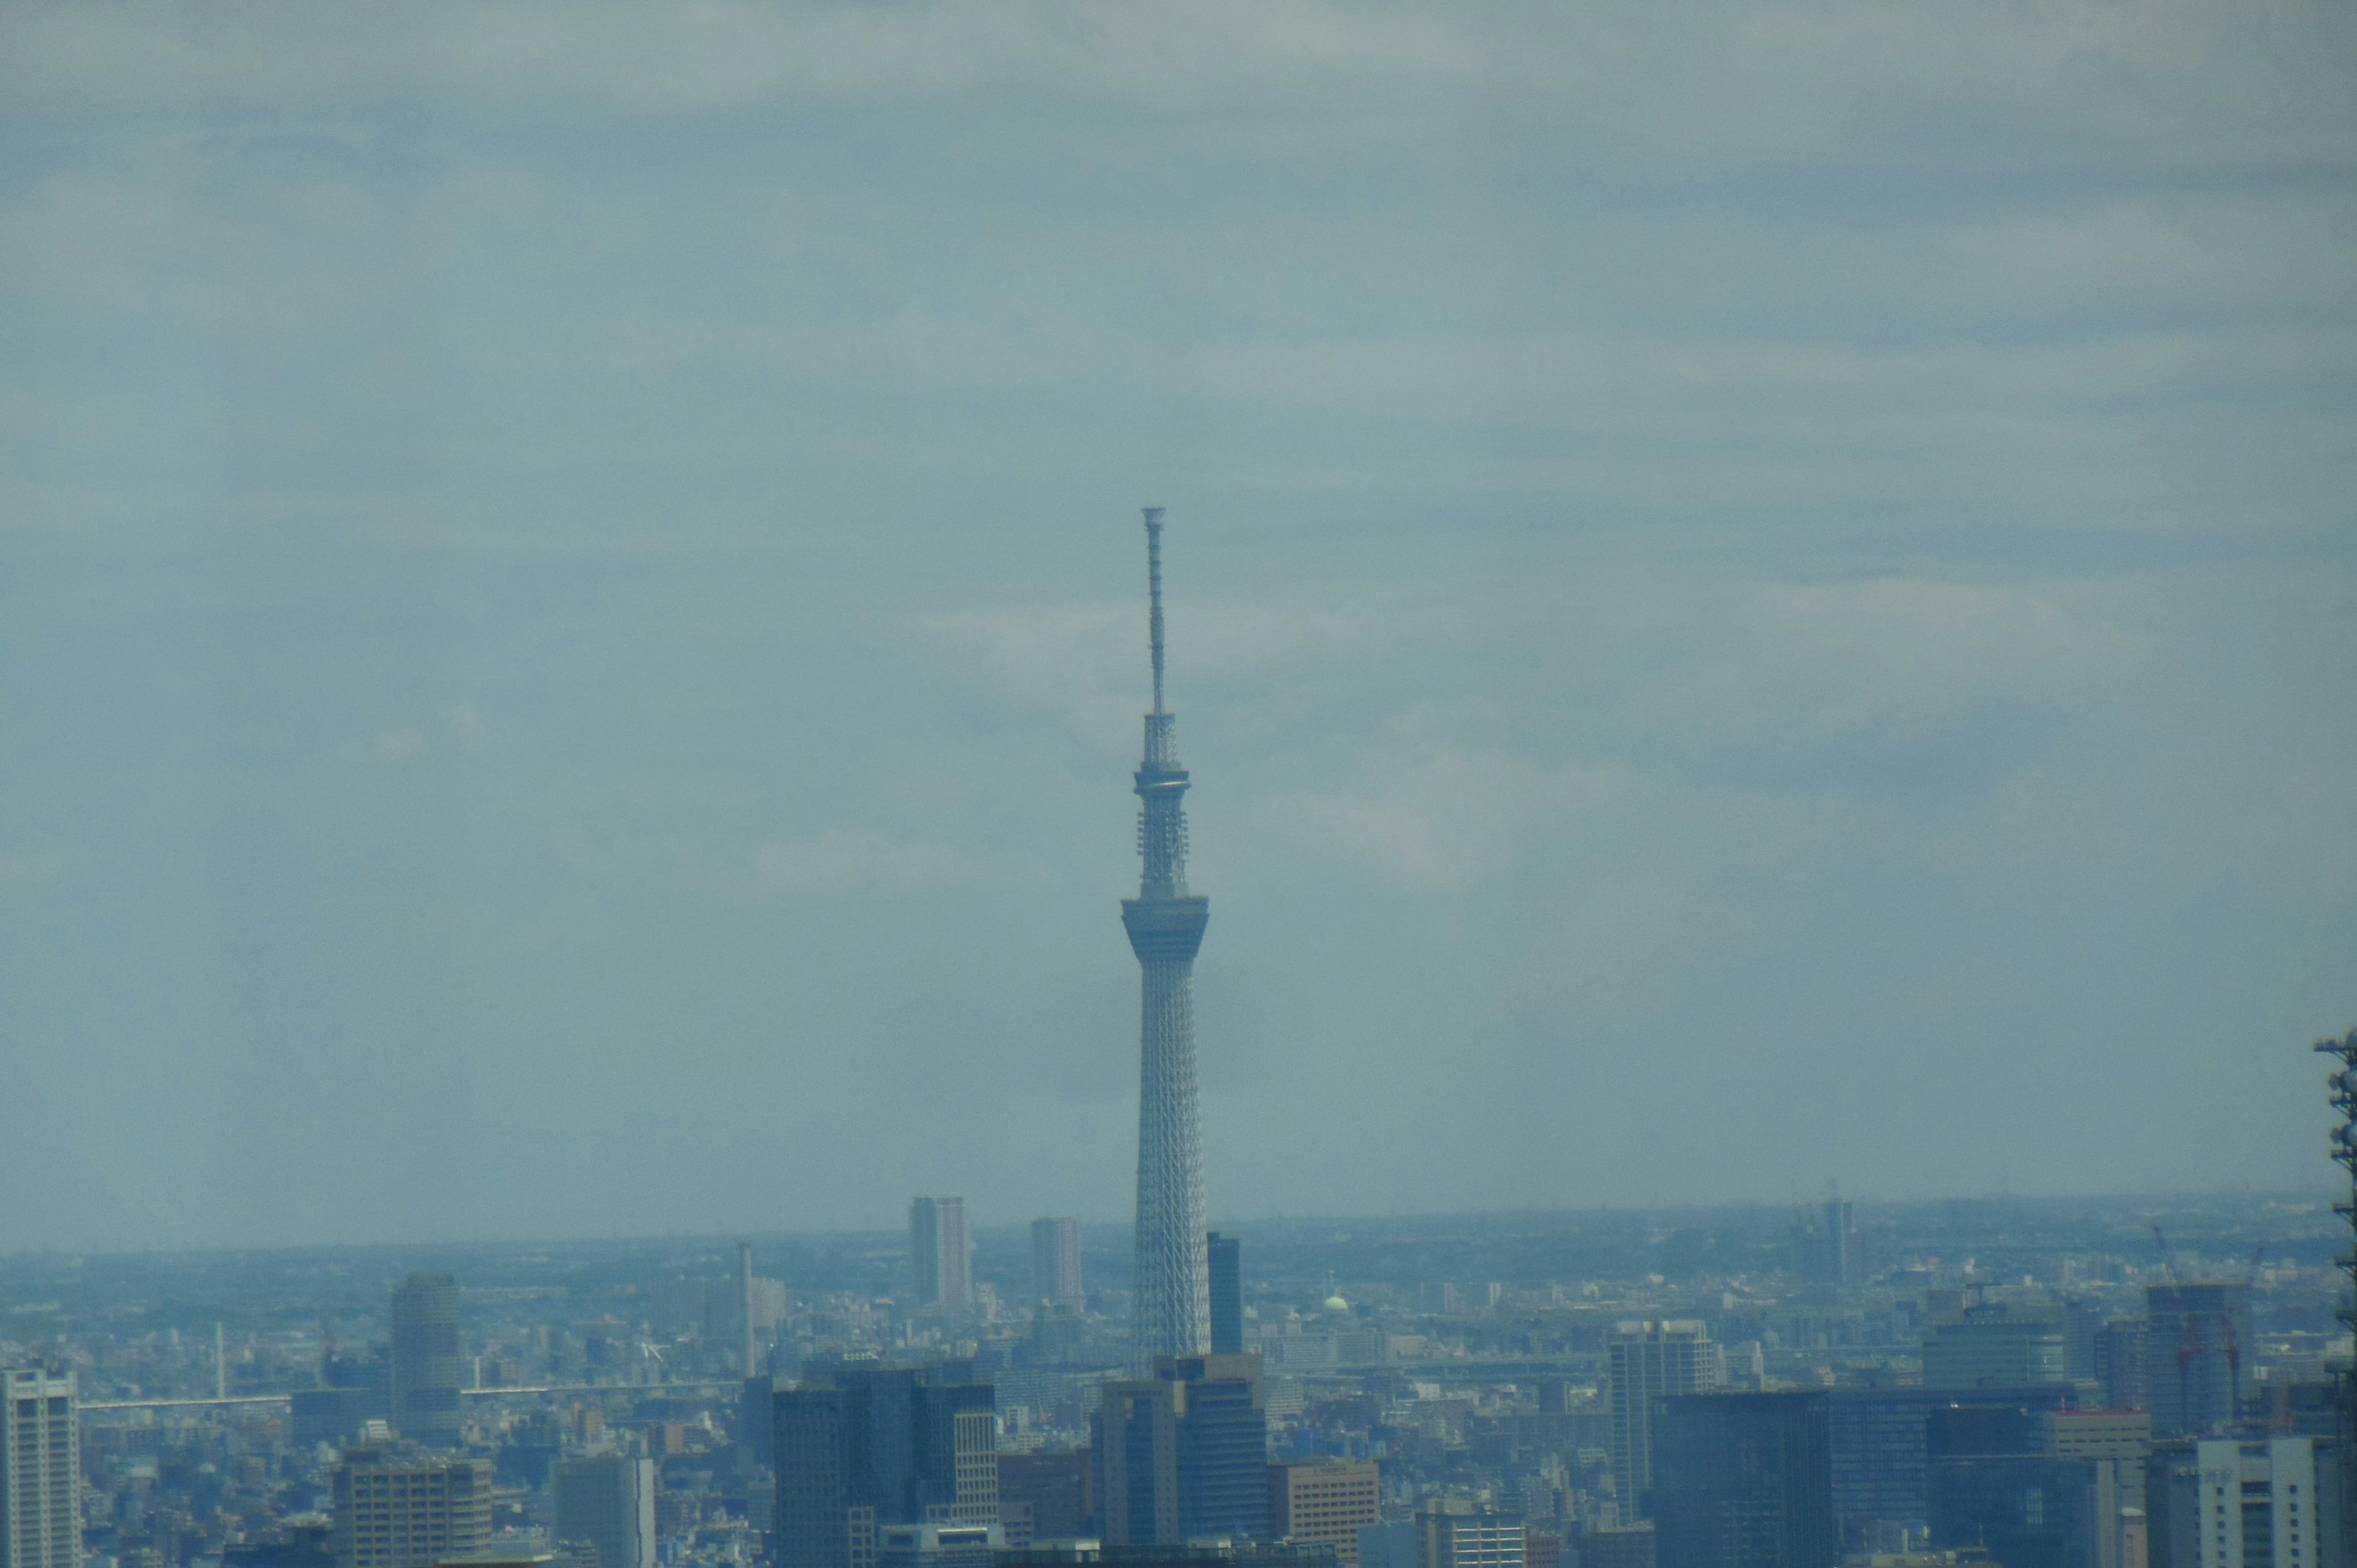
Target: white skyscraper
[
  {"x": 40, "y": 1471},
  {"x": 1166, "y": 926}
]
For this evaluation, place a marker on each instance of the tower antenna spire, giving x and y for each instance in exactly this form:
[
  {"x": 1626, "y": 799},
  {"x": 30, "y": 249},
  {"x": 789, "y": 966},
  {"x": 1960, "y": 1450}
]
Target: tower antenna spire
[{"x": 1154, "y": 595}]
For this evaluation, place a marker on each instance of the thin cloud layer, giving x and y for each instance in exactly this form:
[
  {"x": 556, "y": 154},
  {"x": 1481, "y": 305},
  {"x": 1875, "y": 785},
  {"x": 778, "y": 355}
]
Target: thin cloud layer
[
  {"x": 1726, "y": 559},
  {"x": 1443, "y": 820}
]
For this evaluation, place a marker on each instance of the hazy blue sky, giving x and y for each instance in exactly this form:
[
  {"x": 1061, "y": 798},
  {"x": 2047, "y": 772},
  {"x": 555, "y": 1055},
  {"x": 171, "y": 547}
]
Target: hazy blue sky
[{"x": 1759, "y": 593}]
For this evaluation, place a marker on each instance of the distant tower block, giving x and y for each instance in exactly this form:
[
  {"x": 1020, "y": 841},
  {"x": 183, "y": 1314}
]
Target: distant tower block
[
  {"x": 941, "y": 1266},
  {"x": 1228, "y": 1297},
  {"x": 1166, "y": 927},
  {"x": 1055, "y": 1261},
  {"x": 426, "y": 1369},
  {"x": 745, "y": 1306}
]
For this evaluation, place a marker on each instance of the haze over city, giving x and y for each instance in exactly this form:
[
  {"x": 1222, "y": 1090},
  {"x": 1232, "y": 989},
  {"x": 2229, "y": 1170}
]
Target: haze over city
[
  {"x": 1224, "y": 784},
  {"x": 1758, "y": 596}
]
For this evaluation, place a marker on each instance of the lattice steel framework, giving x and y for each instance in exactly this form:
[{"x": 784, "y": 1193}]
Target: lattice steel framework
[{"x": 1166, "y": 929}]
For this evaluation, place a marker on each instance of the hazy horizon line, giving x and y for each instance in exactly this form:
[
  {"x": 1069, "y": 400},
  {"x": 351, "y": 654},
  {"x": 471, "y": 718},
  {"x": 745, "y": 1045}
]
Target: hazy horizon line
[{"x": 2325, "y": 1192}]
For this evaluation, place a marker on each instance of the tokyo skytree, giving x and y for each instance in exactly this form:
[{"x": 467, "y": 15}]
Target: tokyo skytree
[{"x": 1166, "y": 927}]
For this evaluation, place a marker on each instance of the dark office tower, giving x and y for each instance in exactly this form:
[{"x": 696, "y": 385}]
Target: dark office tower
[
  {"x": 873, "y": 1447},
  {"x": 1743, "y": 1481},
  {"x": 1056, "y": 1262},
  {"x": 2121, "y": 1366},
  {"x": 2082, "y": 1322},
  {"x": 757, "y": 1428},
  {"x": 1223, "y": 1446},
  {"x": 812, "y": 1525},
  {"x": 1045, "y": 1496},
  {"x": 1166, "y": 923},
  {"x": 1879, "y": 1453},
  {"x": 1226, "y": 1254},
  {"x": 1994, "y": 1344},
  {"x": 426, "y": 1369},
  {"x": 1135, "y": 1439},
  {"x": 1992, "y": 1482},
  {"x": 1825, "y": 1244},
  {"x": 937, "y": 1253},
  {"x": 609, "y": 1502},
  {"x": 2194, "y": 1337},
  {"x": 1184, "y": 1453}
]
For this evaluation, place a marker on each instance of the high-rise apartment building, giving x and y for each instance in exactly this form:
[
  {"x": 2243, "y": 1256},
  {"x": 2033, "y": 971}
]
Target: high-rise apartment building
[
  {"x": 1056, "y": 1262},
  {"x": 1325, "y": 1503},
  {"x": 1743, "y": 1480},
  {"x": 396, "y": 1510},
  {"x": 40, "y": 1470},
  {"x": 939, "y": 1260},
  {"x": 869, "y": 1446},
  {"x": 609, "y": 1502},
  {"x": 2197, "y": 1375},
  {"x": 749, "y": 1314},
  {"x": 1648, "y": 1361},
  {"x": 2218, "y": 1503},
  {"x": 973, "y": 1466},
  {"x": 1171, "y": 1284},
  {"x": 1184, "y": 1453},
  {"x": 1226, "y": 1257},
  {"x": 427, "y": 1369}
]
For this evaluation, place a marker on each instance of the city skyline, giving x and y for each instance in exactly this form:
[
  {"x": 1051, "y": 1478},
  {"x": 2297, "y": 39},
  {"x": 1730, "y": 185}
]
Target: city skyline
[{"x": 1496, "y": 1389}]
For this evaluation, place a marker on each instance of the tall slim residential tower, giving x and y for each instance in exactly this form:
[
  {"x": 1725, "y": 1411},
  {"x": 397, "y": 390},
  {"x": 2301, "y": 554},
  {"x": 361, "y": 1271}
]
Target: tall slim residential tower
[
  {"x": 40, "y": 1471},
  {"x": 426, "y": 1370},
  {"x": 936, "y": 1253},
  {"x": 1055, "y": 1261},
  {"x": 748, "y": 1364},
  {"x": 1166, "y": 927},
  {"x": 1651, "y": 1361},
  {"x": 1227, "y": 1296}
]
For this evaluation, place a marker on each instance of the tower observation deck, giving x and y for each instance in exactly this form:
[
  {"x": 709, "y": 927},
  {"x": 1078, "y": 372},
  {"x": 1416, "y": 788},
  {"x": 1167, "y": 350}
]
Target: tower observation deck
[{"x": 1172, "y": 1289}]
